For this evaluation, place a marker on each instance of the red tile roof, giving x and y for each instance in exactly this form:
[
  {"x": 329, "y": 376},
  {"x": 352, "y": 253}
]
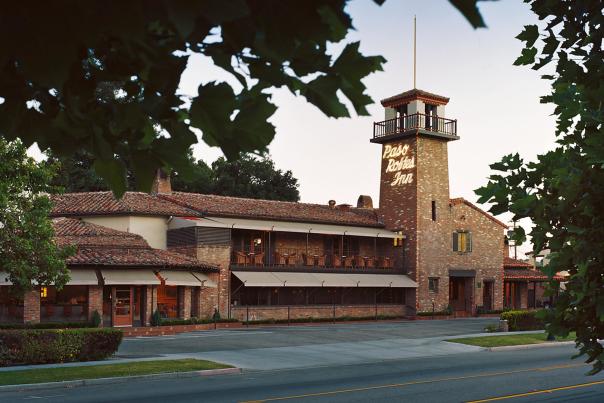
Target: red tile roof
[
  {"x": 526, "y": 274},
  {"x": 100, "y": 246},
  {"x": 460, "y": 200},
  {"x": 223, "y": 206},
  {"x": 511, "y": 262},
  {"x": 104, "y": 203}
]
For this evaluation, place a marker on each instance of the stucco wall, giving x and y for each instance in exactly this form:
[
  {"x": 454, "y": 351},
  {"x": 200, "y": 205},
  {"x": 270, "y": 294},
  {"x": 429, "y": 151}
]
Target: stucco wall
[{"x": 152, "y": 229}]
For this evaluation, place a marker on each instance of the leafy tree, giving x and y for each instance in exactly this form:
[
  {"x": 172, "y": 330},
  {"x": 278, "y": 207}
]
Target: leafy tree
[
  {"x": 103, "y": 78},
  {"x": 254, "y": 178},
  {"x": 28, "y": 253},
  {"x": 563, "y": 191},
  {"x": 249, "y": 176}
]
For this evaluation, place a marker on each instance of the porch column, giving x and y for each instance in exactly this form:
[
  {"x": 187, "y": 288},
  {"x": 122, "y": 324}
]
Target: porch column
[
  {"x": 31, "y": 306},
  {"x": 95, "y": 301},
  {"x": 150, "y": 303},
  {"x": 207, "y": 301},
  {"x": 523, "y": 289},
  {"x": 196, "y": 302},
  {"x": 184, "y": 302}
]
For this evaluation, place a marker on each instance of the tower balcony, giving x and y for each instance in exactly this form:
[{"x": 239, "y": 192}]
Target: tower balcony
[{"x": 417, "y": 123}]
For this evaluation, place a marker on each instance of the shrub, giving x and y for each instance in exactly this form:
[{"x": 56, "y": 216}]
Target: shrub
[
  {"x": 156, "y": 319},
  {"x": 434, "y": 313},
  {"x": 36, "y": 346},
  {"x": 193, "y": 321},
  {"x": 523, "y": 320},
  {"x": 216, "y": 315},
  {"x": 96, "y": 319}
]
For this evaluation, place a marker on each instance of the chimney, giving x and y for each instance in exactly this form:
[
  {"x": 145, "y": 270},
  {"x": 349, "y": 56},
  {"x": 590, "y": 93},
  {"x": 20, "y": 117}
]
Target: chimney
[
  {"x": 161, "y": 183},
  {"x": 364, "y": 201},
  {"x": 332, "y": 204}
]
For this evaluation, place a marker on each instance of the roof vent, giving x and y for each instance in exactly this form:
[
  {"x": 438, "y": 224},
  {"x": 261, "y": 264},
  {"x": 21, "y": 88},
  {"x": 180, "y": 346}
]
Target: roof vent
[
  {"x": 364, "y": 201},
  {"x": 332, "y": 203}
]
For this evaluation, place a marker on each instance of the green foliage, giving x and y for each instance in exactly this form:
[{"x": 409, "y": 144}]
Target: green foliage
[
  {"x": 156, "y": 319},
  {"x": 249, "y": 176},
  {"x": 97, "y": 320},
  {"x": 216, "y": 316},
  {"x": 28, "y": 253},
  {"x": 52, "y": 346},
  {"x": 195, "y": 321},
  {"x": 254, "y": 178},
  {"x": 104, "y": 79},
  {"x": 562, "y": 192},
  {"x": 523, "y": 320},
  {"x": 434, "y": 313}
]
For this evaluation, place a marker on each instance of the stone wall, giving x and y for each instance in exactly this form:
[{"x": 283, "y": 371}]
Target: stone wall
[
  {"x": 95, "y": 300},
  {"x": 31, "y": 306},
  {"x": 212, "y": 298}
]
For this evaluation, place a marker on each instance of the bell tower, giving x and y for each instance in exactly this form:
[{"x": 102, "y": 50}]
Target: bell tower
[{"x": 414, "y": 183}]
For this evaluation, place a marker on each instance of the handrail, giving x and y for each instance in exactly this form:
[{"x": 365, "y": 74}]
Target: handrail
[{"x": 401, "y": 124}]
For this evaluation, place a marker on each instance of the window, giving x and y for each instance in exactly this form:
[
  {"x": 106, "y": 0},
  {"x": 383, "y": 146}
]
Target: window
[
  {"x": 433, "y": 210},
  {"x": 462, "y": 241},
  {"x": 433, "y": 284}
]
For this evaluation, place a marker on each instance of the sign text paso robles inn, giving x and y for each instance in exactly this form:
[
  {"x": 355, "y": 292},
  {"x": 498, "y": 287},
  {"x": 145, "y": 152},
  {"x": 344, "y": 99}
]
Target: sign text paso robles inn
[{"x": 399, "y": 162}]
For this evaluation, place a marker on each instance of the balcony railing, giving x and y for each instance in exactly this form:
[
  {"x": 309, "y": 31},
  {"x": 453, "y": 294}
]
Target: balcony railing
[
  {"x": 310, "y": 258},
  {"x": 415, "y": 121}
]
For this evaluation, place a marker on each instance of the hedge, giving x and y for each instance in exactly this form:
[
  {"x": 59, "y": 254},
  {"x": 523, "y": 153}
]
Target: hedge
[
  {"x": 36, "y": 346},
  {"x": 50, "y": 325},
  {"x": 192, "y": 321},
  {"x": 522, "y": 320},
  {"x": 434, "y": 313},
  {"x": 271, "y": 321}
]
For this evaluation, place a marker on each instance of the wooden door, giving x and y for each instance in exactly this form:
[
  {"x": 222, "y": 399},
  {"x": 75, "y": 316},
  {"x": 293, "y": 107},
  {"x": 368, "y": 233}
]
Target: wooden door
[{"x": 122, "y": 306}]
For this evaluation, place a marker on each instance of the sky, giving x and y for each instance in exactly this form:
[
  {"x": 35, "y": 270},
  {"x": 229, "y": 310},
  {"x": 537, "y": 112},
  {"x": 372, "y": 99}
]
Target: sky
[{"x": 495, "y": 103}]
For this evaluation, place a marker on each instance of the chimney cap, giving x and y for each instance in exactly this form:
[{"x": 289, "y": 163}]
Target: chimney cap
[
  {"x": 364, "y": 201},
  {"x": 331, "y": 203},
  {"x": 161, "y": 183}
]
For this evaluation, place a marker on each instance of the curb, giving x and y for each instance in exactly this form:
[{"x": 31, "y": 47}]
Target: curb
[
  {"x": 106, "y": 381},
  {"x": 528, "y": 346}
]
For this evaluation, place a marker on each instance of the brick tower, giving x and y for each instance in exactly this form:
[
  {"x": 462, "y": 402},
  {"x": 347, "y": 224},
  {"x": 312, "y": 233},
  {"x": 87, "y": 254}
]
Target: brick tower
[{"x": 414, "y": 184}]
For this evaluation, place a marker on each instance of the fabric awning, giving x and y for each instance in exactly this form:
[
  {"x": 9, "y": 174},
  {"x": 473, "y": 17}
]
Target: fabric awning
[
  {"x": 335, "y": 280},
  {"x": 298, "y": 279},
  {"x": 83, "y": 277},
  {"x": 4, "y": 278},
  {"x": 283, "y": 226},
  {"x": 289, "y": 279},
  {"x": 130, "y": 277},
  {"x": 175, "y": 277},
  {"x": 258, "y": 279},
  {"x": 205, "y": 280}
]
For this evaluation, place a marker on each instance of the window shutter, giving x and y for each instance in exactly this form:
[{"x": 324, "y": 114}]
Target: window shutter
[
  {"x": 469, "y": 242},
  {"x": 455, "y": 242}
]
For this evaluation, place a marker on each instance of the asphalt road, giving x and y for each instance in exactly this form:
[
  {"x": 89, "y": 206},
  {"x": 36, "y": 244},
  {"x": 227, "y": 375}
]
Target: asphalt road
[{"x": 532, "y": 375}]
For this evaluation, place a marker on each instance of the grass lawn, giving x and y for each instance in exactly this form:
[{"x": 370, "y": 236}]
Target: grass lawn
[
  {"x": 509, "y": 340},
  {"x": 104, "y": 371}
]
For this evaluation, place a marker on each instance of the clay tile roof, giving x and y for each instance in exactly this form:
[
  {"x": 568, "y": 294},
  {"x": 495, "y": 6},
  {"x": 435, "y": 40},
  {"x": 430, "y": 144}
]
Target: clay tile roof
[
  {"x": 460, "y": 200},
  {"x": 101, "y": 246},
  {"x": 511, "y": 262},
  {"x": 224, "y": 206},
  {"x": 104, "y": 203},
  {"x": 407, "y": 96},
  {"x": 526, "y": 274}
]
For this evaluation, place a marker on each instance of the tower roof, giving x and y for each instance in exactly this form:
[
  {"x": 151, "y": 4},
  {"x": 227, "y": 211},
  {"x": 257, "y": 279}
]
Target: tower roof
[{"x": 412, "y": 95}]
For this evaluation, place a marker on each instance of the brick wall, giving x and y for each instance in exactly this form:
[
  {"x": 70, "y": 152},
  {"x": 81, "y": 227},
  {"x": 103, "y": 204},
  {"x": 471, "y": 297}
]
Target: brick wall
[
  {"x": 316, "y": 311},
  {"x": 95, "y": 300},
  {"x": 31, "y": 306},
  {"x": 428, "y": 244},
  {"x": 218, "y": 255},
  {"x": 184, "y": 302}
]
